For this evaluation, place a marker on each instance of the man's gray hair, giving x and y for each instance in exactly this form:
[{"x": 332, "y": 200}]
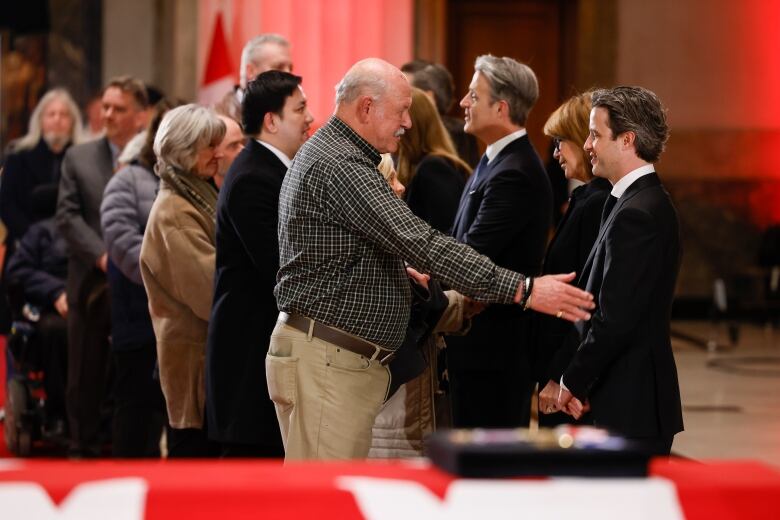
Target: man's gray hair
[
  {"x": 34, "y": 129},
  {"x": 250, "y": 50},
  {"x": 183, "y": 132},
  {"x": 510, "y": 81},
  {"x": 360, "y": 82}
]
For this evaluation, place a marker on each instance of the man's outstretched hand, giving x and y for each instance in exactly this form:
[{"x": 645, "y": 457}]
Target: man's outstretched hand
[{"x": 553, "y": 294}]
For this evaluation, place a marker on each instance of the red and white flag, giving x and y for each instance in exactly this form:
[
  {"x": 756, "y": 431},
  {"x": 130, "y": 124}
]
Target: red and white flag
[{"x": 218, "y": 78}]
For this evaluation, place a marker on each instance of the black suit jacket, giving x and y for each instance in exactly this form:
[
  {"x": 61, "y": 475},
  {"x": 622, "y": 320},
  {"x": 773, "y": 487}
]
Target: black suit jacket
[
  {"x": 504, "y": 214},
  {"x": 624, "y": 363},
  {"x": 434, "y": 192},
  {"x": 244, "y": 310},
  {"x": 567, "y": 252}
]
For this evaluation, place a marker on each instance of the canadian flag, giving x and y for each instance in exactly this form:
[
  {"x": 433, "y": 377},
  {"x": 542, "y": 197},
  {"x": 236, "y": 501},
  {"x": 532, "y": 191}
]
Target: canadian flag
[{"x": 218, "y": 78}]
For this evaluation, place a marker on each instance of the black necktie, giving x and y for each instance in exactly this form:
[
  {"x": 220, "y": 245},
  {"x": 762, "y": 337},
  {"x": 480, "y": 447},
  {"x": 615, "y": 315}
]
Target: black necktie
[{"x": 608, "y": 205}]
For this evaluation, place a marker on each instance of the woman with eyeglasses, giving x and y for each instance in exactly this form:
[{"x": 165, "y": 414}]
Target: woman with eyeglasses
[{"x": 557, "y": 339}]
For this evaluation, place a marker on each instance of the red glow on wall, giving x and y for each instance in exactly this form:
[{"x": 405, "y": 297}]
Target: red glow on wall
[{"x": 327, "y": 36}]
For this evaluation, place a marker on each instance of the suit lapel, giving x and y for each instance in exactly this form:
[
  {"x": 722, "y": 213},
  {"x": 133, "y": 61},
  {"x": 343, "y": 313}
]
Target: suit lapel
[
  {"x": 646, "y": 181},
  {"x": 106, "y": 159}
]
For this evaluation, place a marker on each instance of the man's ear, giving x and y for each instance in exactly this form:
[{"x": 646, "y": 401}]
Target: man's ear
[
  {"x": 502, "y": 108},
  {"x": 627, "y": 139},
  {"x": 364, "y": 106},
  {"x": 269, "y": 123},
  {"x": 249, "y": 72},
  {"x": 141, "y": 119}
]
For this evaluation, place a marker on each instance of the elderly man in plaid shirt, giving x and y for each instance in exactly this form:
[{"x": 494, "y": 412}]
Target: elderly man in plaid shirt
[{"x": 342, "y": 286}]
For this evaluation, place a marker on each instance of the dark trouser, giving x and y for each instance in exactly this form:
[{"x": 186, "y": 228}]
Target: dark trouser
[
  {"x": 52, "y": 333},
  {"x": 490, "y": 399},
  {"x": 139, "y": 406},
  {"x": 245, "y": 451},
  {"x": 657, "y": 446},
  {"x": 88, "y": 370},
  {"x": 190, "y": 443}
]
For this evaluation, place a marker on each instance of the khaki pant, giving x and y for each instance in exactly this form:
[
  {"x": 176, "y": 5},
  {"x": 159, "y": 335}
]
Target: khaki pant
[{"x": 326, "y": 398}]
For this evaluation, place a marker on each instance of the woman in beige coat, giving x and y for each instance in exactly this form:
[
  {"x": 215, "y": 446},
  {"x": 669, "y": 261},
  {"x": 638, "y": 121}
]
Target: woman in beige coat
[{"x": 177, "y": 266}]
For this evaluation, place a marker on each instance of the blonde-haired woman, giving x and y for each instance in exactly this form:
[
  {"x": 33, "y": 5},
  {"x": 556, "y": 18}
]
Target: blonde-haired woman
[
  {"x": 429, "y": 167},
  {"x": 570, "y": 246},
  {"x": 177, "y": 265}
]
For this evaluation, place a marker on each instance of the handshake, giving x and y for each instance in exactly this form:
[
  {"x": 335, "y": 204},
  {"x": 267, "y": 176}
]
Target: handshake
[
  {"x": 556, "y": 398},
  {"x": 550, "y": 294}
]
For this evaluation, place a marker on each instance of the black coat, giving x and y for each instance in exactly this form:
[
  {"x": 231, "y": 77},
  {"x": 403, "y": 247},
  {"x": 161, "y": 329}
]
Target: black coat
[
  {"x": 506, "y": 216},
  {"x": 40, "y": 264},
  {"x": 624, "y": 364},
  {"x": 23, "y": 171},
  {"x": 567, "y": 252},
  {"x": 434, "y": 192},
  {"x": 244, "y": 311}
]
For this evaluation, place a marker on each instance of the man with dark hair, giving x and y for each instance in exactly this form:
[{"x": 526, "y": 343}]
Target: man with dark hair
[
  {"x": 624, "y": 369},
  {"x": 86, "y": 169},
  {"x": 505, "y": 214},
  {"x": 436, "y": 81},
  {"x": 240, "y": 413}
]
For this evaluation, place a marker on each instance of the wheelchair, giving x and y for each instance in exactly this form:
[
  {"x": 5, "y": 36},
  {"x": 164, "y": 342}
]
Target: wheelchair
[{"x": 27, "y": 416}]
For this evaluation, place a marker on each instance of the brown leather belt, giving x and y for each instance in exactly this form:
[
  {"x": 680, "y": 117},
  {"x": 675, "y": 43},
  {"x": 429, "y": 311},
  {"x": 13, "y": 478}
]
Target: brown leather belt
[{"x": 338, "y": 338}]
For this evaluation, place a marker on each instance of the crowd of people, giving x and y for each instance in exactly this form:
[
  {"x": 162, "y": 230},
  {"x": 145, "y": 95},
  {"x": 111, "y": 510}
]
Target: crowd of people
[{"x": 219, "y": 275}]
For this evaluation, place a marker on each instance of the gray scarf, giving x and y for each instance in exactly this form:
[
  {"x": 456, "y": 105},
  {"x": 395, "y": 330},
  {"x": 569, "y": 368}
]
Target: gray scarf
[{"x": 198, "y": 192}]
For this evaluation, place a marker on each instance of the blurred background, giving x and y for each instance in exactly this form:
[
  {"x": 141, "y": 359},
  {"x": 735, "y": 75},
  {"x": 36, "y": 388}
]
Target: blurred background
[{"x": 714, "y": 63}]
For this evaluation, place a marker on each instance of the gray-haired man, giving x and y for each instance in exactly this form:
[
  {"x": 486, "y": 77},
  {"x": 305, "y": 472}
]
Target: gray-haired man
[
  {"x": 265, "y": 52},
  {"x": 505, "y": 213},
  {"x": 342, "y": 287}
]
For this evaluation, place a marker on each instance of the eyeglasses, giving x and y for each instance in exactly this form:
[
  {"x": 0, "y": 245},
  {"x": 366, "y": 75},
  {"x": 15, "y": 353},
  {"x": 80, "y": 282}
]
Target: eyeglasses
[{"x": 557, "y": 144}]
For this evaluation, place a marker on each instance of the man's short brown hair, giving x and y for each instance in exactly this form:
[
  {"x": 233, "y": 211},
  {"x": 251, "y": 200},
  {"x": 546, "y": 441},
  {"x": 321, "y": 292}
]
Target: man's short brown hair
[{"x": 132, "y": 86}]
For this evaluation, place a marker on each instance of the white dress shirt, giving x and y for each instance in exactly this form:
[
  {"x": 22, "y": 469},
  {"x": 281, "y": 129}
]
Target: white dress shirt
[
  {"x": 277, "y": 152},
  {"x": 494, "y": 149},
  {"x": 622, "y": 185}
]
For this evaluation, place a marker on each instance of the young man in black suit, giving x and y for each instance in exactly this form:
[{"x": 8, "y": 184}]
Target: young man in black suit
[
  {"x": 624, "y": 369},
  {"x": 240, "y": 413},
  {"x": 505, "y": 213}
]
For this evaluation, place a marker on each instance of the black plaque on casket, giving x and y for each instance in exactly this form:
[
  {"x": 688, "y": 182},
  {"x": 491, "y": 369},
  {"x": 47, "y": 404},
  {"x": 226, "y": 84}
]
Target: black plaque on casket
[{"x": 573, "y": 451}]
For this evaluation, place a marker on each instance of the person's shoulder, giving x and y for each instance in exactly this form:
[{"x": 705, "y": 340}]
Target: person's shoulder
[
  {"x": 438, "y": 161},
  {"x": 87, "y": 155}
]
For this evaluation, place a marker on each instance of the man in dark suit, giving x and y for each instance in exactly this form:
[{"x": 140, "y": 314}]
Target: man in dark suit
[
  {"x": 624, "y": 369},
  {"x": 240, "y": 413},
  {"x": 86, "y": 169},
  {"x": 505, "y": 214}
]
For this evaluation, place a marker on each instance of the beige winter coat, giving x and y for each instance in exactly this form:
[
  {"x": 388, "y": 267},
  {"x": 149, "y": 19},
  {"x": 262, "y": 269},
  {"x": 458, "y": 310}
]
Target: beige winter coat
[
  {"x": 177, "y": 266},
  {"x": 409, "y": 415}
]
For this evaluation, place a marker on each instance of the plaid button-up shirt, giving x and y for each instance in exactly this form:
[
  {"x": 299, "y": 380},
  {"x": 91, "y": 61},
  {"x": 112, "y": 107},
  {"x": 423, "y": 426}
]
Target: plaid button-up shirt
[{"x": 344, "y": 236}]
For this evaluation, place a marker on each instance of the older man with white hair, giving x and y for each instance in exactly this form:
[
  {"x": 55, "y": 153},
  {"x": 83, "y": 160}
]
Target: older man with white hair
[
  {"x": 269, "y": 51},
  {"x": 342, "y": 287}
]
